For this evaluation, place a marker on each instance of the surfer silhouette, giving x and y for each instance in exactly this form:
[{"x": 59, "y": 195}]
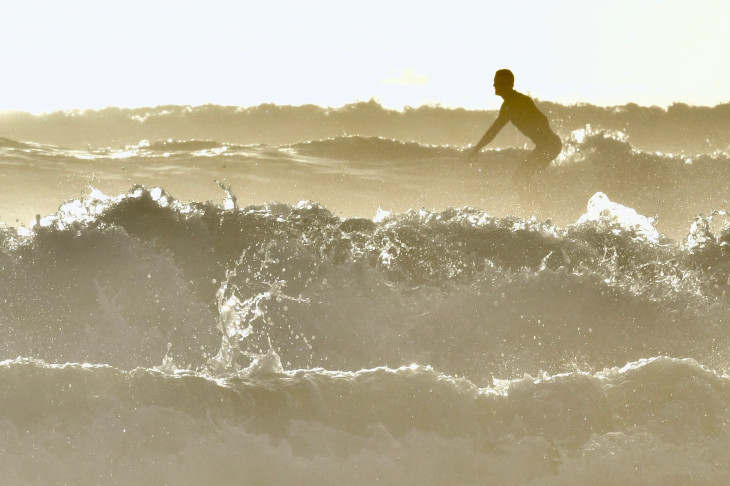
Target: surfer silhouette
[{"x": 522, "y": 112}]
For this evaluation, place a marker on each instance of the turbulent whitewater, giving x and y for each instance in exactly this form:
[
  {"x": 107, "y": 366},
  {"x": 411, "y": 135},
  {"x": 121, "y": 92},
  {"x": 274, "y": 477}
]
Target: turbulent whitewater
[{"x": 201, "y": 306}]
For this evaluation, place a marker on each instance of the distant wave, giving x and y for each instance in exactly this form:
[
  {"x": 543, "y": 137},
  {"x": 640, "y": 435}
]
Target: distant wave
[
  {"x": 580, "y": 145},
  {"x": 172, "y": 145},
  {"x": 7, "y": 143},
  {"x": 673, "y": 186},
  {"x": 372, "y": 148},
  {"x": 680, "y": 128}
]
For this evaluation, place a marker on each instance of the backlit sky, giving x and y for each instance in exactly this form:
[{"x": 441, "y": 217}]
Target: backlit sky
[{"x": 66, "y": 54}]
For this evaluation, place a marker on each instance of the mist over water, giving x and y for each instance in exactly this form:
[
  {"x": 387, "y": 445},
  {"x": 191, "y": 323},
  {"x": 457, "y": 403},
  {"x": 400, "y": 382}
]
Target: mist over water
[{"x": 295, "y": 295}]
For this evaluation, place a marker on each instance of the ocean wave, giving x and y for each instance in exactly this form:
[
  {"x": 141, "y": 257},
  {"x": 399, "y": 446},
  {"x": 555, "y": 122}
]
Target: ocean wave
[
  {"x": 151, "y": 340},
  {"x": 679, "y": 128},
  {"x": 7, "y": 143},
  {"x": 29, "y": 150},
  {"x": 609, "y": 147},
  {"x": 172, "y": 145},
  {"x": 411, "y": 425},
  {"x": 358, "y": 148},
  {"x": 129, "y": 280},
  {"x": 195, "y": 343}
]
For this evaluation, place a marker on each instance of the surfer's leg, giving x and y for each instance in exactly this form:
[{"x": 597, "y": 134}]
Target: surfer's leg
[
  {"x": 536, "y": 161},
  {"x": 525, "y": 186},
  {"x": 539, "y": 159},
  {"x": 524, "y": 176}
]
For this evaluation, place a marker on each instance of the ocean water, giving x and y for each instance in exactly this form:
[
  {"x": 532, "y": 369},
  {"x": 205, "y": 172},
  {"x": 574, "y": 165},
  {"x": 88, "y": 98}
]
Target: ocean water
[{"x": 298, "y": 295}]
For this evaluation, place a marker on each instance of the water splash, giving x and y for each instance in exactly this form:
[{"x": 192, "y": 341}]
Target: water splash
[{"x": 614, "y": 217}]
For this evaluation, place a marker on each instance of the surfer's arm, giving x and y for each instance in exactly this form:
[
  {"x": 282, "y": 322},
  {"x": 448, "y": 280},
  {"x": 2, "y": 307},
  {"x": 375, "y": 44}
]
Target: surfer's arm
[{"x": 492, "y": 132}]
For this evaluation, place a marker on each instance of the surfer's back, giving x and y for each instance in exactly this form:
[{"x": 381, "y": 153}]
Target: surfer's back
[{"x": 522, "y": 112}]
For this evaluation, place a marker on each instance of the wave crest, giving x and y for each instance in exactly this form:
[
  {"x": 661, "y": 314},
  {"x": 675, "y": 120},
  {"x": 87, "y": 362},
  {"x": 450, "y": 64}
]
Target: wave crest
[{"x": 518, "y": 294}]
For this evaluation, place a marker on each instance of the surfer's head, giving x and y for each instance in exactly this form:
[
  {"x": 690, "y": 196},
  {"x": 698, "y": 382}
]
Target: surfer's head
[{"x": 504, "y": 82}]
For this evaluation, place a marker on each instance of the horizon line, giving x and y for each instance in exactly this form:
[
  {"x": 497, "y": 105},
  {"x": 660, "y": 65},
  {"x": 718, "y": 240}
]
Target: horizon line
[{"x": 357, "y": 101}]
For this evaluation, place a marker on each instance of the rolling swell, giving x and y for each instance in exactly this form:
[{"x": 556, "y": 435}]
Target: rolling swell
[
  {"x": 678, "y": 128},
  {"x": 652, "y": 421},
  {"x": 359, "y": 148},
  {"x": 357, "y": 174}
]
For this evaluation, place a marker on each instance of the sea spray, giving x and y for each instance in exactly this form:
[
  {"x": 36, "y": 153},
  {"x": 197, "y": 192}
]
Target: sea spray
[{"x": 468, "y": 293}]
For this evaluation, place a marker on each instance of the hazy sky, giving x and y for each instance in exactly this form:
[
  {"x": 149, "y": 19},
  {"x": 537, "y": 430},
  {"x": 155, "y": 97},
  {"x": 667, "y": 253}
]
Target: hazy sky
[{"x": 96, "y": 53}]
